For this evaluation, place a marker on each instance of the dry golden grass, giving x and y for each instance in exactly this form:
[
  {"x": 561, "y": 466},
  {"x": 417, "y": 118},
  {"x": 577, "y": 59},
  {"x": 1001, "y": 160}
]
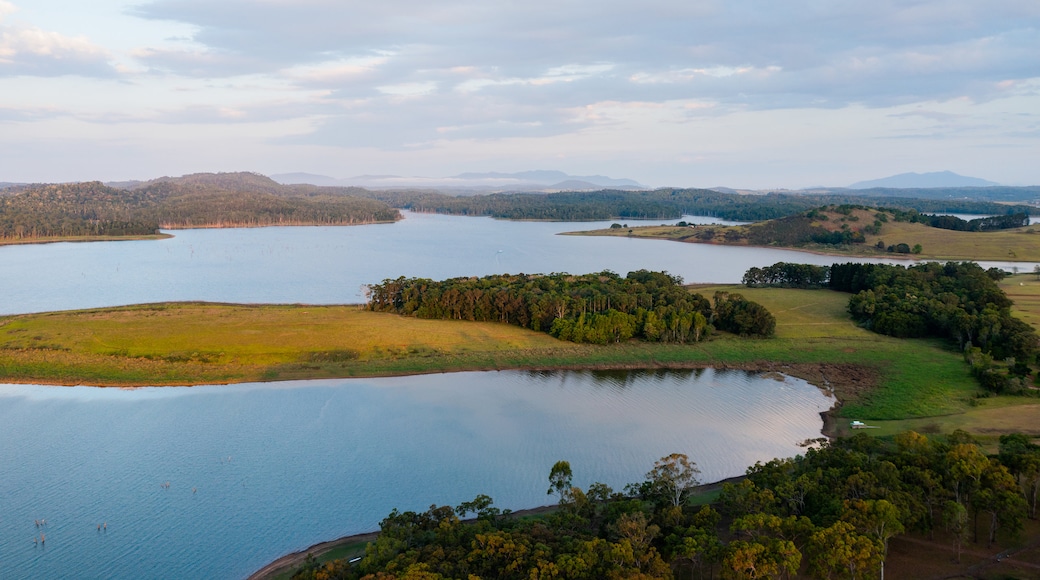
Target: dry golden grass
[
  {"x": 262, "y": 334},
  {"x": 1024, "y": 290},
  {"x": 192, "y": 343},
  {"x": 1020, "y": 244}
]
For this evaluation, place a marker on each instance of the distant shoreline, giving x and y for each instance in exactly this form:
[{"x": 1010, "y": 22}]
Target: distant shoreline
[
  {"x": 163, "y": 236},
  {"x": 61, "y": 239}
]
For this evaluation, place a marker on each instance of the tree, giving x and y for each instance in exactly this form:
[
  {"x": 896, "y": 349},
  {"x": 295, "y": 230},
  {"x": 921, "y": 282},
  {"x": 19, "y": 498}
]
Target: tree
[
  {"x": 955, "y": 519},
  {"x": 761, "y": 558},
  {"x": 840, "y": 552},
  {"x": 560, "y": 480},
  {"x": 878, "y": 519},
  {"x": 673, "y": 477}
]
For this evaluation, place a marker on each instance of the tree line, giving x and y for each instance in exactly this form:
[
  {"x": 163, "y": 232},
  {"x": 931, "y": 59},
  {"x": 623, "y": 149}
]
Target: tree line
[
  {"x": 952, "y": 222},
  {"x": 829, "y": 513},
  {"x": 956, "y": 300},
  {"x": 206, "y": 200},
  {"x": 668, "y": 203},
  {"x": 595, "y": 308}
]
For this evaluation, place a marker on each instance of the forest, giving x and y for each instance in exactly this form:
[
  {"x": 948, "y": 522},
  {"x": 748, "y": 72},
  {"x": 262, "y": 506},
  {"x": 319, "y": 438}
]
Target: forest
[
  {"x": 830, "y": 513},
  {"x": 205, "y": 200},
  {"x": 662, "y": 204},
  {"x": 592, "y": 308},
  {"x": 958, "y": 301},
  {"x": 247, "y": 199}
]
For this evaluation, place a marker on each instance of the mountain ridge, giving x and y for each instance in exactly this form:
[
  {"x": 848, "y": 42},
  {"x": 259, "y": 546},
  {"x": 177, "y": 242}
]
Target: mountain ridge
[{"x": 923, "y": 181}]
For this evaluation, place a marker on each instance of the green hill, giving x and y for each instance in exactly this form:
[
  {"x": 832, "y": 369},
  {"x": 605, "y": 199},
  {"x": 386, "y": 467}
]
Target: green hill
[{"x": 92, "y": 209}]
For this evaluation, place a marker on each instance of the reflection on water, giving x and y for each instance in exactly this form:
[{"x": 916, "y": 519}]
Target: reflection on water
[{"x": 259, "y": 470}]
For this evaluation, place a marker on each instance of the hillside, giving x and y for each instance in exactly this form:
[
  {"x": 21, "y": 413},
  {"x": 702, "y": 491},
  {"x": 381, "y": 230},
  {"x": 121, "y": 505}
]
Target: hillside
[
  {"x": 857, "y": 230},
  {"x": 42, "y": 212}
]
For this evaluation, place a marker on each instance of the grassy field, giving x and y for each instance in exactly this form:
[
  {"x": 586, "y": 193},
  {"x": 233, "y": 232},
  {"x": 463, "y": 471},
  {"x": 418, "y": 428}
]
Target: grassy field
[
  {"x": 1021, "y": 244},
  {"x": 1024, "y": 290},
  {"x": 876, "y": 377}
]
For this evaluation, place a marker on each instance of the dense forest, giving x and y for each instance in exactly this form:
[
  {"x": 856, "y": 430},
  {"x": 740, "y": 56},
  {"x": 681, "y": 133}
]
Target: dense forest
[
  {"x": 204, "y": 200},
  {"x": 82, "y": 209},
  {"x": 830, "y": 513},
  {"x": 956, "y": 300},
  {"x": 661, "y": 204},
  {"x": 593, "y": 308}
]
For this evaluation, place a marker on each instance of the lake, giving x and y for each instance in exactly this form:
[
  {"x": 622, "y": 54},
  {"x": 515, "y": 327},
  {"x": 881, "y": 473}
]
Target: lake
[
  {"x": 256, "y": 471},
  {"x": 259, "y": 470},
  {"x": 329, "y": 265}
]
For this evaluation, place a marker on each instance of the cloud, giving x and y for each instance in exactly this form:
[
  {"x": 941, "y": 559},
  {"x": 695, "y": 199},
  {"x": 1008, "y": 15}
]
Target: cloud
[
  {"x": 31, "y": 51},
  {"x": 564, "y": 55}
]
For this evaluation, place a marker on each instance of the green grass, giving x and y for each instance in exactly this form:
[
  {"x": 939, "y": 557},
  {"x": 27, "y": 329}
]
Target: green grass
[{"x": 876, "y": 377}]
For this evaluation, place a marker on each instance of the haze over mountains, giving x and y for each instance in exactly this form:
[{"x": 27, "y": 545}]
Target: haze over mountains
[
  {"x": 924, "y": 180},
  {"x": 541, "y": 180}
]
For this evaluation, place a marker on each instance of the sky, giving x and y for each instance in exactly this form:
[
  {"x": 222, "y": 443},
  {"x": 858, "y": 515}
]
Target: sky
[{"x": 691, "y": 93}]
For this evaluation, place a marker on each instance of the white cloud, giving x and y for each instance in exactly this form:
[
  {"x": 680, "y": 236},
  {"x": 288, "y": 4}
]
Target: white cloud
[
  {"x": 31, "y": 51},
  {"x": 6, "y": 8},
  {"x": 458, "y": 75}
]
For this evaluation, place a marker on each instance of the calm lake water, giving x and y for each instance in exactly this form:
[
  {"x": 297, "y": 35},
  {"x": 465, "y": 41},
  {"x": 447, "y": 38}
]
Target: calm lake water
[
  {"x": 328, "y": 265},
  {"x": 259, "y": 470}
]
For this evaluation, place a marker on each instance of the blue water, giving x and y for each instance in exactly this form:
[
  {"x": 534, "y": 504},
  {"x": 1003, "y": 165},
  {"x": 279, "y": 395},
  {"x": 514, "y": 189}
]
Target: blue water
[
  {"x": 329, "y": 265},
  {"x": 278, "y": 467},
  {"x": 259, "y": 470}
]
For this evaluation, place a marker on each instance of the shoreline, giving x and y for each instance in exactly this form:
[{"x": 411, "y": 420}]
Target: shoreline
[
  {"x": 812, "y": 373},
  {"x": 293, "y": 559},
  {"x": 815, "y": 251},
  {"x": 76, "y": 239},
  {"x": 175, "y": 227}
]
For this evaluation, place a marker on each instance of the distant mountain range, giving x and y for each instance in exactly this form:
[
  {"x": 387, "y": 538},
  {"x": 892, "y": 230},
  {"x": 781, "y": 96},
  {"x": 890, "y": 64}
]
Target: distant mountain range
[
  {"x": 470, "y": 182},
  {"x": 924, "y": 180}
]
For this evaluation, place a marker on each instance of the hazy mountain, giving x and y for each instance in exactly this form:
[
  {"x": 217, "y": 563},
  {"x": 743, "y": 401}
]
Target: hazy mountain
[
  {"x": 551, "y": 177},
  {"x": 579, "y": 185},
  {"x": 305, "y": 178},
  {"x": 470, "y": 182},
  {"x": 924, "y": 180}
]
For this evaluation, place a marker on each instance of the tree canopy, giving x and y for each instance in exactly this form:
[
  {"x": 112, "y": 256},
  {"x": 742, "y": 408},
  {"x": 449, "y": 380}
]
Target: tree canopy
[
  {"x": 829, "y": 513},
  {"x": 595, "y": 308},
  {"x": 205, "y": 200}
]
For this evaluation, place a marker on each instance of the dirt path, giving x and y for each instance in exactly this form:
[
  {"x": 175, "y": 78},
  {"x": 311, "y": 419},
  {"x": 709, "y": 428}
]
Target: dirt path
[{"x": 987, "y": 558}]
